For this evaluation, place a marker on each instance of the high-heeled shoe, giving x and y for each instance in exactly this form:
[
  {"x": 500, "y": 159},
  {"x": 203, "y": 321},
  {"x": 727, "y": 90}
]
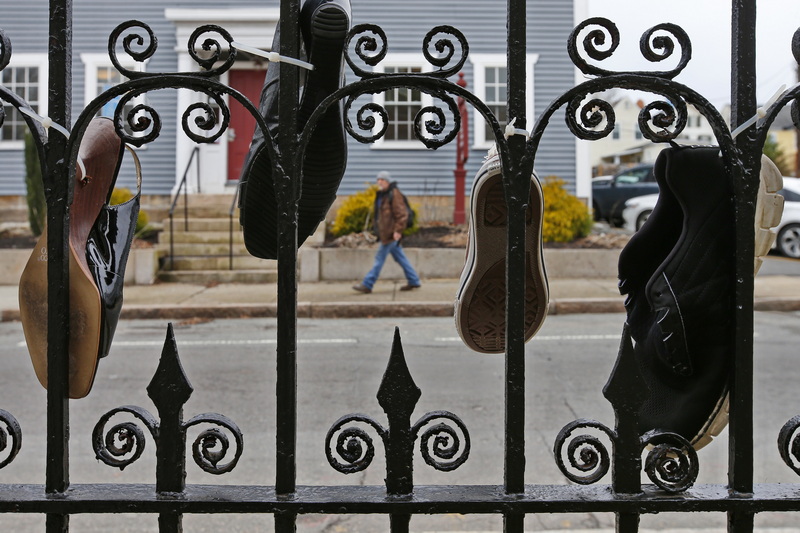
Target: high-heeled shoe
[
  {"x": 99, "y": 242},
  {"x": 324, "y": 25}
]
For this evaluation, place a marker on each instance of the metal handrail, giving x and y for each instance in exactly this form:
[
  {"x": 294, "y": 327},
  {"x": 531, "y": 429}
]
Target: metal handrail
[
  {"x": 195, "y": 156},
  {"x": 230, "y": 226}
]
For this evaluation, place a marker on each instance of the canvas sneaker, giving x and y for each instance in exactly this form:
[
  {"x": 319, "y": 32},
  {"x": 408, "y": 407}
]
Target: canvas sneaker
[{"x": 480, "y": 306}]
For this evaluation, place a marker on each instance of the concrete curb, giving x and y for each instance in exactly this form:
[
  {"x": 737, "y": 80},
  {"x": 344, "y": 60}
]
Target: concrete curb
[{"x": 564, "y": 306}]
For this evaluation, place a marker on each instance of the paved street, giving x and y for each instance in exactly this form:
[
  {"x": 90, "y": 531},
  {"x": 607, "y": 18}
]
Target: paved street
[{"x": 231, "y": 365}]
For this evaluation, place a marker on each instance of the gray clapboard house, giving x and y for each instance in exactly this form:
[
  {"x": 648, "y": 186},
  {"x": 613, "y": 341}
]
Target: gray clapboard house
[{"x": 419, "y": 170}]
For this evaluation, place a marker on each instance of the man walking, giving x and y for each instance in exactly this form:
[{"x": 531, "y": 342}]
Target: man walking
[{"x": 389, "y": 216}]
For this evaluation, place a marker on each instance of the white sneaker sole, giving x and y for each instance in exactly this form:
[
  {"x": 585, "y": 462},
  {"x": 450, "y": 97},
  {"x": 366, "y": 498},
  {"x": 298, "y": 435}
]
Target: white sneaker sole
[{"x": 480, "y": 313}]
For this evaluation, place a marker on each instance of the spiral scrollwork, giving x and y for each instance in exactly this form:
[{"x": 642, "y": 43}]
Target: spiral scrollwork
[
  {"x": 431, "y": 124},
  {"x": 662, "y": 121},
  {"x": 601, "y": 39},
  {"x": 444, "y": 47},
  {"x": 671, "y": 463},
  {"x": 10, "y": 429},
  {"x": 588, "y": 458},
  {"x": 594, "y": 43},
  {"x": 371, "y": 47},
  {"x": 441, "y": 39},
  {"x": 206, "y": 119},
  {"x": 124, "y": 443},
  {"x": 365, "y": 118},
  {"x": 212, "y": 445},
  {"x": 658, "y": 44},
  {"x": 354, "y": 449},
  {"x": 789, "y": 444},
  {"x": 443, "y": 446},
  {"x": 583, "y": 119},
  {"x": 139, "y": 42},
  {"x": 142, "y": 121},
  {"x": 213, "y": 45}
]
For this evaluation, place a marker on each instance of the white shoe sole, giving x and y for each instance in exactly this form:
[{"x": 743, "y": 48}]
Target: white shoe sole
[{"x": 480, "y": 312}]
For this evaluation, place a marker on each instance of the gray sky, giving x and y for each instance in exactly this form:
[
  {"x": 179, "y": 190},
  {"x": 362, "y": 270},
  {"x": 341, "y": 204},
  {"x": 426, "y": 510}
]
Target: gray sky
[{"x": 707, "y": 23}]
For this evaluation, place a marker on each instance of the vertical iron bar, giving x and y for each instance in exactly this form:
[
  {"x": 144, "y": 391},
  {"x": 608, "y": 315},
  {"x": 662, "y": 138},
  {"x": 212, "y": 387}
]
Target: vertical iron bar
[
  {"x": 286, "y": 187},
  {"x": 399, "y": 523},
  {"x": 515, "y": 264},
  {"x": 170, "y": 523},
  {"x": 743, "y": 98},
  {"x": 627, "y": 522},
  {"x": 58, "y": 199}
]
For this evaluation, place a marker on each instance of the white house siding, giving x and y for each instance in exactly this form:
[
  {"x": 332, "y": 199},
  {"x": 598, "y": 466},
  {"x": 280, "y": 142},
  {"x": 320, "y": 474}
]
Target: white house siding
[{"x": 406, "y": 22}]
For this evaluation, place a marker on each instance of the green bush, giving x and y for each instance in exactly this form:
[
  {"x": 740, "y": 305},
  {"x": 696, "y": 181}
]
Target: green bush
[
  {"x": 355, "y": 214},
  {"x": 37, "y": 208},
  {"x": 566, "y": 218},
  {"x": 122, "y": 195}
]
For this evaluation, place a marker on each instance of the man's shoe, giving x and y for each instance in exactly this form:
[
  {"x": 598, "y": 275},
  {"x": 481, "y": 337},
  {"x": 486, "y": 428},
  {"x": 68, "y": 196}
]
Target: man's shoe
[
  {"x": 409, "y": 287},
  {"x": 99, "y": 240},
  {"x": 681, "y": 317},
  {"x": 324, "y": 25},
  {"x": 480, "y": 306},
  {"x": 362, "y": 288}
]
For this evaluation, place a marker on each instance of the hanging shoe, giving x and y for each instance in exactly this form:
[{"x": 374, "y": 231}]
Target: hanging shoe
[
  {"x": 480, "y": 306},
  {"x": 99, "y": 240},
  {"x": 324, "y": 25},
  {"x": 648, "y": 248},
  {"x": 680, "y": 312}
]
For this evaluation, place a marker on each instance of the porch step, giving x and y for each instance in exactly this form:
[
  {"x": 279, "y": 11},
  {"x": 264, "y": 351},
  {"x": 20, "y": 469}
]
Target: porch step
[
  {"x": 200, "y": 237},
  {"x": 218, "y": 276},
  {"x": 200, "y": 245},
  {"x": 202, "y": 224},
  {"x": 220, "y": 262},
  {"x": 208, "y": 248}
]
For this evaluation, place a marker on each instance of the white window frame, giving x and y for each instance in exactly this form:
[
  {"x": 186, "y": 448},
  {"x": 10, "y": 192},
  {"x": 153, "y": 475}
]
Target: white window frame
[
  {"x": 401, "y": 60},
  {"x": 30, "y": 60},
  {"x": 92, "y": 63},
  {"x": 480, "y": 62}
]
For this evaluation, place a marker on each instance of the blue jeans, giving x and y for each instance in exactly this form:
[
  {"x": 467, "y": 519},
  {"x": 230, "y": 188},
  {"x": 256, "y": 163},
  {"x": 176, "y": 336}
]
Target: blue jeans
[{"x": 396, "y": 250}]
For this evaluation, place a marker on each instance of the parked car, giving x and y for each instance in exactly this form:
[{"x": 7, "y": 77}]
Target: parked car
[
  {"x": 638, "y": 209},
  {"x": 609, "y": 196},
  {"x": 788, "y": 241}
]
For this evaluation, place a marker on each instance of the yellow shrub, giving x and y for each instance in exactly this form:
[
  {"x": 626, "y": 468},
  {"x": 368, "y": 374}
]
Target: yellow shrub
[
  {"x": 355, "y": 214},
  {"x": 566, "y": 218}
]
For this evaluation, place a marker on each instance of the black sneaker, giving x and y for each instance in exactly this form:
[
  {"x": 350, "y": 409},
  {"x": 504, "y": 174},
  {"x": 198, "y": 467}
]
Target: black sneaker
[
  {"x": 648, "y": 248},
  {"x": 680, "y": 313},
  {"x": 324, "y": 25}
]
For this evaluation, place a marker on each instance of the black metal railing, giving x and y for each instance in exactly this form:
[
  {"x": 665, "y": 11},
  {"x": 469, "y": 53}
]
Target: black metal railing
[
  {"x": 183, "y": 191},
  {"x": 670, "y": 462}
]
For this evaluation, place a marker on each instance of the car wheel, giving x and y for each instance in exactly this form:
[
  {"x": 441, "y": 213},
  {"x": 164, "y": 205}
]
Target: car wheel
[
  {"x": 789, "y": 241},
  {"x": 642, "y": 218}
]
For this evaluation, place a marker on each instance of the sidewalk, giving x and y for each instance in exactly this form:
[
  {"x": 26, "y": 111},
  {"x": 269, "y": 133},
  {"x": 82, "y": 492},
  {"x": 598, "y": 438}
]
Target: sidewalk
[{"x": 773, "y": 292}]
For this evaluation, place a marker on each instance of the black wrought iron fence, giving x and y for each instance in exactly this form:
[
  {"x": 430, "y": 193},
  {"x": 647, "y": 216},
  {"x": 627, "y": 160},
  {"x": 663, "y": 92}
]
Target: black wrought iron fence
[{"x": 668, "y": 460}]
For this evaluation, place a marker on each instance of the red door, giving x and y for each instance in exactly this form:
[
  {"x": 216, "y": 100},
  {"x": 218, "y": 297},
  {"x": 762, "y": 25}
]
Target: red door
[{"x": 242, "y": 125}]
